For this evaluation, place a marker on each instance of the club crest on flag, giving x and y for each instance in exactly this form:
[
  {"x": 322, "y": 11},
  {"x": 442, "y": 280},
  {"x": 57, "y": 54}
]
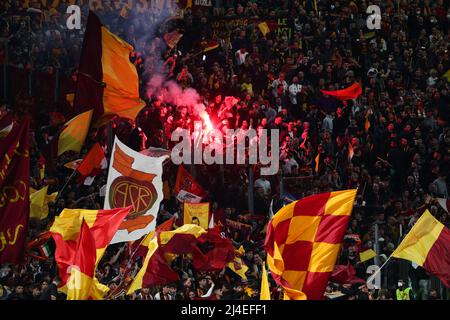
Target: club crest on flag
[{"x": 134, "y": 180}]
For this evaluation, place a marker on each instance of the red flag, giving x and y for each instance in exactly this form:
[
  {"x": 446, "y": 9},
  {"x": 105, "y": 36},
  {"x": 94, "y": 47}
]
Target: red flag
[
  {"x": 219, "y": 251},
  {"x": 14, "y": 199},
  {"x": 82, "y": 267},
  {"x": 92, "y": 162},
  {"x": 187, "y": 183},
  {"x": 172, "y": 38},
  {"x": 352, "y": 92},
  {"x": 345, "y": 274},
  {"x": 159, "y": 272}
]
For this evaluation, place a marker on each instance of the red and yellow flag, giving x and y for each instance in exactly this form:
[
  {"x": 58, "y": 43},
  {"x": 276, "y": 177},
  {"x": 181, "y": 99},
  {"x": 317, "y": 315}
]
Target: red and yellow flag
[
  {"x": 428, "y": 245},
  {"x": 103, "y": 224},
  {"x": 303, "y": 241},
  {"x": 107, "y": 81}
]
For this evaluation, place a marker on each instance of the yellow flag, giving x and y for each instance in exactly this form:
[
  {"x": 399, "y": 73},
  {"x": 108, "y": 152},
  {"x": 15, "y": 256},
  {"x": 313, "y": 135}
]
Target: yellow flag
[
  {"x": 196, "y": 213},
  {"x": 74, "y": 133},
  {"x": 265, "y": 291},
  {"x": 417, "y": 244},
  {"x": 264, "y": 28},
  {"x": 39, "y": 202},
  {"x": 238, "y": 266},
  {"x": 447, "y": 75},
  {"x": 367, "y": 255},
  {"x": 138, "y": 279}
]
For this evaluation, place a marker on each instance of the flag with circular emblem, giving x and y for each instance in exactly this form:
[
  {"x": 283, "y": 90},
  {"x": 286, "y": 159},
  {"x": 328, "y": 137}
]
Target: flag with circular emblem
[
  {"x": 134, "y": 180},
  {"x": 303, "y": 242}
]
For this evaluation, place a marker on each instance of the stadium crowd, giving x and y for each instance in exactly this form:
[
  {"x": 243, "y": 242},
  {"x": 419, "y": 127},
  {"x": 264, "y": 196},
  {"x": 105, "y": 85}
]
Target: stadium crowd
[{"x": 392, "y": 142}]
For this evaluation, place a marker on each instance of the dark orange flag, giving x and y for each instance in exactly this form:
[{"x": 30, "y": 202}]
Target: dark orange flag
[
  {"x": 14, "y": 199},
  {"x": 352, "y": 92},
  {"x": 106, "y": 80}
]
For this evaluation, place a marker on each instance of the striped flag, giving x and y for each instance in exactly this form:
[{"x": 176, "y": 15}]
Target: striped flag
[
  {"x": 427, "y": 244},
  {"x": 303, "y": 241},
  {"x": 107, "y": 81}
]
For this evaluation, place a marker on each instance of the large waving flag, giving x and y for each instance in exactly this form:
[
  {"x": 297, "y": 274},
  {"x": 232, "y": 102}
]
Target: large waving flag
[
  {"x": 349, "y": 93},
  {"x": 303, "y": 241},
  {"x": 103, "y": 224},
  {"x": 14, "y": 183},
  {"x": 209, "y": 251},
  {"x": 428, "y": 245},
  {"x": 134, "y": 180},
  {"x": 107, "y": 81}
]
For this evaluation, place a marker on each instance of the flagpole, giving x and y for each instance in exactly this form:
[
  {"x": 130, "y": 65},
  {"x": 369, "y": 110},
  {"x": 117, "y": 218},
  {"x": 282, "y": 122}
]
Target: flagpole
[
  {"x": 65, "y": 185},
  {"x": 126, "y": 271},
  {"x": 379, "y": 269}
]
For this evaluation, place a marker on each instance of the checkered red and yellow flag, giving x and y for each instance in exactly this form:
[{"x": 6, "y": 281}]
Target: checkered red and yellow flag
[{"x": 303, "y": 242}]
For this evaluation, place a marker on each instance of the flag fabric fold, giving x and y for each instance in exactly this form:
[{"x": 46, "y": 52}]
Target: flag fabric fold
[
  {"x": 186, "y": 188},
  {"x": 265, "y": 289},
  {"x": 303, "y": 241},
  {"x": 65, "y": 230},
  {"x": 14, "y": 183},
  {"x": 74, "y": 133},
  {"x": 82, "y": 268},
  {"x": 39, "y": 200},
  {"x": 106, "y": 81},
  {"x": 428, "y": 245},
  {"x": 349, "y": 93}
]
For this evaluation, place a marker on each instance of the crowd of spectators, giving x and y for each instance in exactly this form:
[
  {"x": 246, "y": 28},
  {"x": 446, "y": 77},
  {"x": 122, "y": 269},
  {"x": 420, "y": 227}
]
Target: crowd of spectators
[{"x": 392, "y": 142}]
